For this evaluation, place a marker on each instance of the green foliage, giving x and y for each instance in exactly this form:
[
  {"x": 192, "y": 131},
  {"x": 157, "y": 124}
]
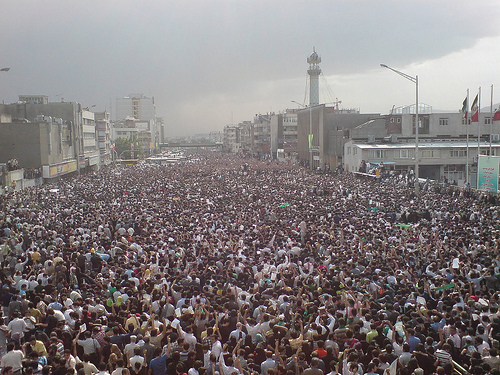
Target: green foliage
[{"x": 123, "y": 147}]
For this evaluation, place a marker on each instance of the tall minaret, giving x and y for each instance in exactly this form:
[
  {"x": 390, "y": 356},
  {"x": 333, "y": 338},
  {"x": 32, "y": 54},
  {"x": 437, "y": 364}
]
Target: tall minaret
[{"x": 314, "y": 71}]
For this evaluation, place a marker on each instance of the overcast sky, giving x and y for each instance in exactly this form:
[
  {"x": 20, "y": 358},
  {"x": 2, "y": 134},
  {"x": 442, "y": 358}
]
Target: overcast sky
[{"x": 212, "y": 63}]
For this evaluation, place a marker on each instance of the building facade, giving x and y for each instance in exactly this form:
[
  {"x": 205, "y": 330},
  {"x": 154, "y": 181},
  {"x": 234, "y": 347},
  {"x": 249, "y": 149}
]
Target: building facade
[
  {"x": 322, "y": 132},
  {"x": 103, "y": 129},
  {"x": 447, "y": 150},
  {"x": 232, "y": 138},
  {"x": 284, "y": 134},
  {"x": 50, "y": 146},
  {"x": 142, "y": 108},
  {"x": 76, "y": 125}
]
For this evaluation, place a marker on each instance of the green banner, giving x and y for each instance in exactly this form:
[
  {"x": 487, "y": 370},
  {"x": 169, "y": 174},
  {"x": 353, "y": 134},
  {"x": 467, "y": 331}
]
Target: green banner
[
  {"x": 449, "y": 286},
  {"x": 311, "y": 140},
  {"x": 403, "y": 225}
]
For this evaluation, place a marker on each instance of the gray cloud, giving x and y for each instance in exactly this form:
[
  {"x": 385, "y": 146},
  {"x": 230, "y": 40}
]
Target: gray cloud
[{"x": 203, "y": 60}]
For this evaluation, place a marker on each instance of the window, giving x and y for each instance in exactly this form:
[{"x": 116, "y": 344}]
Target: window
[
  {"x": 443, "y": 121},
  {"x": 348, "y": 151},
  {"x": 458, "y": 153},
  {"x": 404, "y": 154},
  {"x": 379, "y": 154},
  {"x": 423, "y": 124},
  {"x": 431, "y": 153},
  {"x": 354, "y": 150},
  {"x": 487, "y": 121}
]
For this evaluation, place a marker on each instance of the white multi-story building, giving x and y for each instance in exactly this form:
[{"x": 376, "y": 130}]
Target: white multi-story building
[
  {"x": 447, "y": 150},
  {"x": 137, "y": 106},
  {"x": 142, "y": 108},
  {"x": 134, "y": 130},
  {"x": 103, "y": 128},
  {"x": 90, "y": 145},
  {"x": 232, "y": 139}
]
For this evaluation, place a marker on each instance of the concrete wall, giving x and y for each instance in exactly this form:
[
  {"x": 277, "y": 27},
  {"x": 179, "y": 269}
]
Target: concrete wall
[
  {"x": 35, "y": 144},
  {"x": 21, "y": 141},
  {"x": 67, "y": 111}
]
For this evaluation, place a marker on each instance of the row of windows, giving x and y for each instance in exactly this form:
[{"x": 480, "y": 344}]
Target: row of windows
[
  {"x": 406, "y": 154},
  {"x": 487, "y": 121},
  {"x": 410, "y": 153},
  {"x": 444, "y": 121}
]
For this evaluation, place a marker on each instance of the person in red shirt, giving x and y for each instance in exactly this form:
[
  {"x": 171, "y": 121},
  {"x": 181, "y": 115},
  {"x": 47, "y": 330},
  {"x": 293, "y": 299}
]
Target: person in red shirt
[{"x": 321, "y": 349}]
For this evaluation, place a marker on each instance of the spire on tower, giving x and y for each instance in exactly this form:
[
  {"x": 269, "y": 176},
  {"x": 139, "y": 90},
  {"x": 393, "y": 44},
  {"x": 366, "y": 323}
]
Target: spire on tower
[{"x": 314, "y": 71}]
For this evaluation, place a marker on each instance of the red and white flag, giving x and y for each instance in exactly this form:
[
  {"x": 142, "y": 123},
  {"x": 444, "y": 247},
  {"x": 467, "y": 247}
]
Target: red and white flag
[
  {"x": 496, "y": 116},
  {"x": 475, "y": 109}
]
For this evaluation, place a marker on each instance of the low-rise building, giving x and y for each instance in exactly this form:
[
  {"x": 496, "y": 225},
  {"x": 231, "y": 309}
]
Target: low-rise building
[
  {"x": 46, "y": 144},
  {"x": 447, "y": 149}
]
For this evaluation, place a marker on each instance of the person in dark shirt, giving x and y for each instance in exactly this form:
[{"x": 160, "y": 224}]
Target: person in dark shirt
[
  {"x": 50, "y": 322},
  {"x": 158, "y": 365},
  {"x": 5, "y": 299},
  {"x": 172, "y": 363}
]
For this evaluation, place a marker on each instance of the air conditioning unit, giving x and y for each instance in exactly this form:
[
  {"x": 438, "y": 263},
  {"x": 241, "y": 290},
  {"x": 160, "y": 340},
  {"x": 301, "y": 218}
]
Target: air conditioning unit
[
  {"x": 371, "y": 139},
  {"x": 495, "y": 137}
]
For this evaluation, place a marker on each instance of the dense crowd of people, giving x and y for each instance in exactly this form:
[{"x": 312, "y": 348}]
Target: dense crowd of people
[{"x": 234, "y": 266}]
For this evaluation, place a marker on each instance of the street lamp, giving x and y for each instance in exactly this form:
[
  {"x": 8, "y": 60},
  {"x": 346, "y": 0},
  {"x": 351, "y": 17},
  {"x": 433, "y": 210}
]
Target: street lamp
[
  {"x": 309, "y": 141},
  {"x": 415, "y": 81}
]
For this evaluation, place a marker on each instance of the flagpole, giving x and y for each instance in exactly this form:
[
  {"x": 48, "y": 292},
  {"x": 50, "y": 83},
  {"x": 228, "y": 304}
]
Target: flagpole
[
  {"x": 491, "y": 118},
  {"x": 467, "y": 149},
  {"x": 478, "y": 127}
]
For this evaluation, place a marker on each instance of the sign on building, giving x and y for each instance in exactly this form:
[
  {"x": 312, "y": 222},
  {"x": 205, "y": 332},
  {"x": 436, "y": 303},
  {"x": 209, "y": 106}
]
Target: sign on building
[{"x": 487, "y": 173}]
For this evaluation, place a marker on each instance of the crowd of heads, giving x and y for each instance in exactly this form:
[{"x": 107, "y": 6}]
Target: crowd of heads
[{"x": 235, "y": 266}]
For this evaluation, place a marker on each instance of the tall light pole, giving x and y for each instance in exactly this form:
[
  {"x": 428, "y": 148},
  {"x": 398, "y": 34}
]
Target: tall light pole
[
  {"x": 309, "y": 141},
  {"x": 415, "y": 81}
]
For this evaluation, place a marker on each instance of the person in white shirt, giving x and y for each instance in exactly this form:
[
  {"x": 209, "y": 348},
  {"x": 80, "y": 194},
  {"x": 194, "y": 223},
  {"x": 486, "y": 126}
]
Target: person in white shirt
[
  {"x": 216, "y": 346},
  {"x": 129, "y": 348},
  {"x": 238, "y": 332},
  {"x": 16, "y": 327},
  {"x": 136, "y": 358},
  {"x": 188, "y": 336},
  {"x": 13, "y": 358},
  {"x": 70, "y": 360}
]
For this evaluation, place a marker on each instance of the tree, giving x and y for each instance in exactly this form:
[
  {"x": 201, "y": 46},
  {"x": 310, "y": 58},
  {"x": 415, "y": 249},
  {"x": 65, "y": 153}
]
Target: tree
[{"x": 122, "y": 145}]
